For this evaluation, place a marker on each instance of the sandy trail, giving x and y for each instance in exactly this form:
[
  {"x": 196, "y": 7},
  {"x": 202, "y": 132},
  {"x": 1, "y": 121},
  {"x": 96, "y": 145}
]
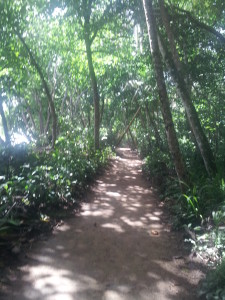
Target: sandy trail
[{"x": 109, "y": 251}]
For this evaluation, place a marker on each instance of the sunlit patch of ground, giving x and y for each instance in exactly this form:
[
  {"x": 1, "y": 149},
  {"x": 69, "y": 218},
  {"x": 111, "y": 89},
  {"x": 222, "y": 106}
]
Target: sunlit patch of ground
[{"x": 118, "y": 248}]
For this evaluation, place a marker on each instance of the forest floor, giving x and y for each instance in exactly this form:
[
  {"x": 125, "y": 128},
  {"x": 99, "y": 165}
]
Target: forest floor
[{"x": 118, "y": 247}]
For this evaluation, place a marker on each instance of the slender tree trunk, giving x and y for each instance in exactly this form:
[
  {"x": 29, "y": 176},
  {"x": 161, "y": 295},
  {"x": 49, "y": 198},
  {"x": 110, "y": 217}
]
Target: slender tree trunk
[
  {"x": 192, "y": 114},
  {"x": 94, "y": 85},
  {"x": 47, "y": 121},
  {"x": 133, "y": 139},
  {"x": 63, "y": 102},
  {"x": 1, "y": 141},
  {"x": 46, "y": 88},
  {"x": 151, "y": 122},
  {"x": 71, "y": 109},
  {"x": 28, "y": 127},
  {"x": 134, "y": 117},
  {"x": 82, "y": 119},
  {"x": 102, "y": 110},
  {"x": 41, "y": 121},
  {"x": 163, "y": 96},
  {"x": 4, "y": 123},
  {"x": 31, "y": 119}
]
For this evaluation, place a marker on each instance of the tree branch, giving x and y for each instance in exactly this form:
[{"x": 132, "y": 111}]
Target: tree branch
[{"x": 201, "y": 24}]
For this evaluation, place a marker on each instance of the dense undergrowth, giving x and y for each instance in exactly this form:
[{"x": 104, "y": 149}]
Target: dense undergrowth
[
  {"x": 38, "y": 188},
  {"x": 200, "y": 212}
]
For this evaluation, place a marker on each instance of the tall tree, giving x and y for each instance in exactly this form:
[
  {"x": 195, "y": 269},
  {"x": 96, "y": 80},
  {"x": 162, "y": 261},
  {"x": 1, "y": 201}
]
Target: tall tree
[
  {"x": 93, "y": 17},
  {"x": 191, "y": 112},
  {"x": 87, "y": 7},
  {"x": 16, "y": 19},
  {"x": 46, "y": 88},
  {"x": 163, "y": 96}
]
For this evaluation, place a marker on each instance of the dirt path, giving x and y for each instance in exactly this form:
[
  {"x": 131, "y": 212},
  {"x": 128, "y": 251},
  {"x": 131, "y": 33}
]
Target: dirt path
[{"x": 118, "y": 248}]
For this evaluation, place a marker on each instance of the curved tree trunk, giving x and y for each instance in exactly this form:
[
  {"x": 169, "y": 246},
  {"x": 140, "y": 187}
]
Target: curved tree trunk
[
  {"x": 192, "y": 114},
  {"x": 163, "y": 96},
  {"x": 46, "y": 88}
]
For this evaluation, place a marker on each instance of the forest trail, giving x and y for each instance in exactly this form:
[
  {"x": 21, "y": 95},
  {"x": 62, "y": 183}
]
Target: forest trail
[{"x": 119, "y": 247}]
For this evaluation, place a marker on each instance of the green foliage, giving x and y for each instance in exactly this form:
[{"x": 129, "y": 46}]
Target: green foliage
[
  {"x": 198, "y": 203},
  {"x": 210, "y": 240},
  {"x": 157, "y": 163},
  {"x": 213, "y": 287},
  {"x": 192, "y": 205},
  {"x": 35, "y": 181},
  {"x": 47, "y": 183}
]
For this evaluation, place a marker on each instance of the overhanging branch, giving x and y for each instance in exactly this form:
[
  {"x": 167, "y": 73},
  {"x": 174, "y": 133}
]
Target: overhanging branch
[{"x": 200, "y": 24}]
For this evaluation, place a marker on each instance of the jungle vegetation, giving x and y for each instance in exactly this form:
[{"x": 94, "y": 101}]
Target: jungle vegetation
[{"x": 73, "y": 74}]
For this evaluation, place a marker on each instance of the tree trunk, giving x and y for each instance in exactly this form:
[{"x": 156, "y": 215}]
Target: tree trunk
[
  {"x": 31, "y": 119},
  {"x": 151, "y": 122},
  {"x": 102, "y": 110},
  {"x": 29, "y": 130},
  {"x": 135, "y": 146},
  {"x": 2, "y": 142},
  {"x": 163, "y": 96},
  {"x": 41, "y": 120},
  {"x": 128, "y": 127},
  {"x": 47, "y": 121},
  {"x": 199, "y": 24},
  {"x": 82, "y": 119},
  {"x": 192, "y": 114},
  {"x": 4, "y": 123},
  {"x": 94, "y": 85},
  {"x": 46, "y": 88},
  {"x": 63, "y": 101}
]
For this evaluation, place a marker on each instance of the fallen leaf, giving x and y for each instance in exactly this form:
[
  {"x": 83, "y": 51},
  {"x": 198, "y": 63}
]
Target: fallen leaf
[{"x": 154, "y": 232}]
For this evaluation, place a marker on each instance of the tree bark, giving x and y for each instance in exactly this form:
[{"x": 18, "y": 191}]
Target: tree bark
[
  {"x": 191, "y": 112},
  {"x": 94, "y": 85},
  {"x": 4, "y": 123},
  {"x": 163, "y": 96}
]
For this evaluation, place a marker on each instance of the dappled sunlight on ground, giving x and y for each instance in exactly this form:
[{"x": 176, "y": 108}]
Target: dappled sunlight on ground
[{"x": 118, "y": 247}]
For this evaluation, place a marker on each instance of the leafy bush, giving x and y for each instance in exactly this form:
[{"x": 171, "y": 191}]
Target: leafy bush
[
  {"x": 43, "y": 182},
  {"x": 157, "y": 168},
  {"x": 201, "y": 211},
  {"x": 213, "y": 287}
]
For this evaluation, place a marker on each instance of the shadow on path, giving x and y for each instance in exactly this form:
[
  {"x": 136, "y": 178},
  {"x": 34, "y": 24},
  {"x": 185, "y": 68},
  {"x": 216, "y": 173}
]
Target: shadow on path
[{"x": 118, "y": 248}]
